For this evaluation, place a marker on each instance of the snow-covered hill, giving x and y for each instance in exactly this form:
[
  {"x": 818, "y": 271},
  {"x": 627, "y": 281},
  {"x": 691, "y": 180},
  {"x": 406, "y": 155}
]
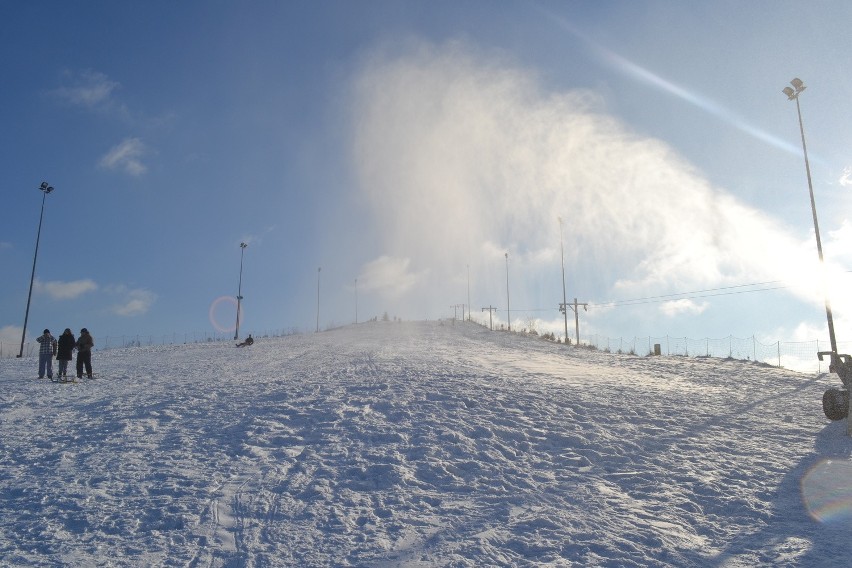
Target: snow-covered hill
[{"x": 420, "y": 444}]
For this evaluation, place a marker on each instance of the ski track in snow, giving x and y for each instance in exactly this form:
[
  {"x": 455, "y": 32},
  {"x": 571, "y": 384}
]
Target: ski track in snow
[{"x": 413, "y": 444}]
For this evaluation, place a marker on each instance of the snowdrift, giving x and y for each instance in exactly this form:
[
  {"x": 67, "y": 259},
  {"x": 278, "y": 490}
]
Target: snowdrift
[{"x": 419, "y": 444}]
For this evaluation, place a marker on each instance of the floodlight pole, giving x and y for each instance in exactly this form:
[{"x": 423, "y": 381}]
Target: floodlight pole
[
  {"x": 468, "y": 293},
  {"x": 564, "y": 301},
  {"x": 319, "y": 270},
  {"x": 508, "y": 311},
  {"x": 793, "y": 94},
  {"x": 240, "y": 290},
  {"x": 356, "y": 301},
  {"x": 45, "y": 188}
]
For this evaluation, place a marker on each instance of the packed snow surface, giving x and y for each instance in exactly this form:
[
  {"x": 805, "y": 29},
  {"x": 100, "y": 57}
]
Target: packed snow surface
[{"x": 420, "y": 444}]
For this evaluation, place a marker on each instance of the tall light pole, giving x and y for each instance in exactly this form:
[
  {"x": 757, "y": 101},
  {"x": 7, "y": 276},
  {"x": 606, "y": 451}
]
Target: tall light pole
[
  {"x": 564, "y": 307},
  {"x": 318, "y": 295},
  {"x": 508, "y": 311},
  {"x": 356, "y": 301},
  {"x": 240, "y": 290},
  {"x": 793, "y": 95},
  {"x": 45, "y": 189},
  {"x": 469, "y": 308}
]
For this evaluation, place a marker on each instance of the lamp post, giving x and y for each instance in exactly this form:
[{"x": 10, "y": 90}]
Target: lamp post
[
  {"x": 508, "y": 311},
  {"x": 564, "y": 306},
  {"x": 318, "y": 295},
  {"x": 356, "y": 301},
  {"x": 240, "y": 290},
  {"x": 469, "y": 308},
  {"x": 793, "y": 95},
  {"x": 45, "y": 189}
]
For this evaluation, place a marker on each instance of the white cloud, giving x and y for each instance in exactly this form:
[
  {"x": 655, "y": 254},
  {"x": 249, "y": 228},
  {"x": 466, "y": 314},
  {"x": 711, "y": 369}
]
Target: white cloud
[
  {"x": 65, "y": 290},
  {"x": 682, "y": 306},
  {"x": 5, "y": 245},
  {"x": 89, "y": 89},
  {"x": 838, "y": 245},
  {"x": 134, "y": 302},
  {"x": 126, "y": 156},
  {"x": 389, "y": 275},
  {"x": 846, "y": 179}
]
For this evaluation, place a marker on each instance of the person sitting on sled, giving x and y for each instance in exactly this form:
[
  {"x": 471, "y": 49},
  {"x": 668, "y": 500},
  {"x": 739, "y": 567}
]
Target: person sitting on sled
[{"x": 248, "y": 341}]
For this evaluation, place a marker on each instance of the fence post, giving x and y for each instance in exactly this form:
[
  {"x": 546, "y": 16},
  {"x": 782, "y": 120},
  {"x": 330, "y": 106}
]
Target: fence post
[
  {"x": 779, "y": 354},
  {"x": 819, "y": 363},
  {"x": 754, "y": 347}
]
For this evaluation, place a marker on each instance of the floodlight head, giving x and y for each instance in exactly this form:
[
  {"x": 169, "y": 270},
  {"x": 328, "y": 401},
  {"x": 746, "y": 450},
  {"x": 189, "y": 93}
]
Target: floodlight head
[
  {"x": 43, "y": 185},
  {"x": 798, "y": 85},
  {"x": 791, "y": 94}
]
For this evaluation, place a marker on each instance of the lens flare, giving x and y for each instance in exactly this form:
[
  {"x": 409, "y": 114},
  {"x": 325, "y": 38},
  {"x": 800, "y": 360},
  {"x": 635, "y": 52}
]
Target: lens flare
[
  {"x": 214, "y": 307},
  {"x": 827, "y": 490}
]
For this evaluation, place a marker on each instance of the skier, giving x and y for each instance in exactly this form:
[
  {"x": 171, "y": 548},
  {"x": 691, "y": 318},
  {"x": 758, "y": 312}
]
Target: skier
[
  {"x": 249, "y": 341},
  {"x": 64, "y": 352},
  {"x": 84, "y": 353},
  {"x": 45, "y": 354}
]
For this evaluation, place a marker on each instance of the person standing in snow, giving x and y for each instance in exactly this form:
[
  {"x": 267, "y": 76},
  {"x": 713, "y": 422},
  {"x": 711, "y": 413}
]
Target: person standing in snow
[
  {"x": 64, "y": 352},
  {"x": 84, "y": 353},
  {"x": 46, "y": 351}
]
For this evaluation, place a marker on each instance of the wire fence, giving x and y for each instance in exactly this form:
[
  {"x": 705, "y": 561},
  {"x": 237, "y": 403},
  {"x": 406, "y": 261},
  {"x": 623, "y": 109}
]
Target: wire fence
[
  {"x": 794, "y": 355},
  {"x": 9, "y": 349}
]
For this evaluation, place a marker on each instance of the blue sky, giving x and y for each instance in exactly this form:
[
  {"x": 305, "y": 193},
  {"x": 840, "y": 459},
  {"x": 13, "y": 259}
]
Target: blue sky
[{"x": 410, "y": 146}]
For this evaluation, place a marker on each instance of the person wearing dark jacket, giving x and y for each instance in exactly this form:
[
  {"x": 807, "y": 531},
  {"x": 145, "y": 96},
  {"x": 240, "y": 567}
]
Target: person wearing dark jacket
[
  {"x": 84, "y": 353},
  {"x": 64, "y": 352}
]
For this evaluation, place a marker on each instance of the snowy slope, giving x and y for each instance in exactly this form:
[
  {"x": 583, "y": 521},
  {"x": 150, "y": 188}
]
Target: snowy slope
[{"x": 420, "y": 444}]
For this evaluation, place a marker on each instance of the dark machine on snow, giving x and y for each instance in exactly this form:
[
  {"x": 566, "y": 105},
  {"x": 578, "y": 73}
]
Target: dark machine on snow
[{"x": 835, "y": 401}]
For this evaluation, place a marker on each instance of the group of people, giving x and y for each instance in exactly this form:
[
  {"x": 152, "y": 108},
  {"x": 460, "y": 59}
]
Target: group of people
[{"x": 63, "y": 350}]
